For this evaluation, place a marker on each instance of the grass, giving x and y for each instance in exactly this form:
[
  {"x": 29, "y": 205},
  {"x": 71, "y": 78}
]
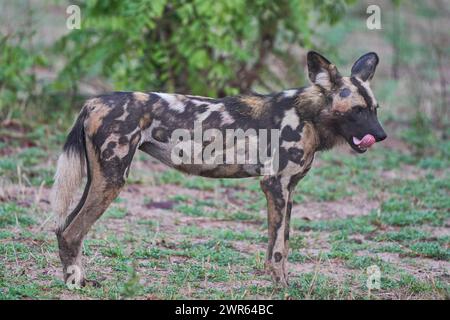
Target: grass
[
  {"x": 115, "y": 213},
  {"x": 210, "y": 241},
  {"x": 13, "y": 214},
  {"x": 430, "y": 250}
]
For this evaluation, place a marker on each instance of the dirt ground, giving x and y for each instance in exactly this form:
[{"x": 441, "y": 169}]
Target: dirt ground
[{"x": 173, "y": 236}]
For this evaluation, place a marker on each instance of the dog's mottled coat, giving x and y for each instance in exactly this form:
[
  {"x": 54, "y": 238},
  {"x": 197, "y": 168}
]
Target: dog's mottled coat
[{"x": 110, "y": 129}]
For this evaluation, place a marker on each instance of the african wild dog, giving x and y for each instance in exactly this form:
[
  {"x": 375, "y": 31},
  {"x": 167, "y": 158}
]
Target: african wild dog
[{"x": 110, "y": 128}]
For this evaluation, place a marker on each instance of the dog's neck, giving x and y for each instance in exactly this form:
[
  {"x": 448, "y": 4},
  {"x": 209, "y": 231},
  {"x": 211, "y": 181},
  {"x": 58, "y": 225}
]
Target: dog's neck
[{"x": 313, "y": 106}]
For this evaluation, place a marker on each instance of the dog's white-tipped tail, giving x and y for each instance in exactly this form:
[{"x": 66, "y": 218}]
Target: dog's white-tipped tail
[
  {"x": 68, "y": 177},
  {"x": 69, "y": 171}
]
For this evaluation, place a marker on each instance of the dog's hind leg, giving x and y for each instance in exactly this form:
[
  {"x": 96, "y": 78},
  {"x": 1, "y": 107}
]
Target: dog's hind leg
[
  {"x": 279, "y": 193},
  {"x": 107, "y": 168}
]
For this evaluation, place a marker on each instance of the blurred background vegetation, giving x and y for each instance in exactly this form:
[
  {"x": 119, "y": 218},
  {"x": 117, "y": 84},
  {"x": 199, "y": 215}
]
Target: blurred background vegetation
[{"x": 218, "y": 48}]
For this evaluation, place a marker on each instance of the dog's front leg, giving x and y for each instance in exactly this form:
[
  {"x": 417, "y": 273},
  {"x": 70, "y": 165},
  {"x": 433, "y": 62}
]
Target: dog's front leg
[{"x": 279, "y": 205}]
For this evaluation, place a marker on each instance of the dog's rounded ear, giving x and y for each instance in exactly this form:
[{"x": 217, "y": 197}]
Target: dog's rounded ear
[
  {"x": 321, "y": 71},
  {"x": 364, "y": 67}
]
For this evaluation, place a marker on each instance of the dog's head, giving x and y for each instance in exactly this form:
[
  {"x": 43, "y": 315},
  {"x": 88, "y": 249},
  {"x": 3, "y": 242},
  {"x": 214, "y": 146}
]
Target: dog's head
[{"x": 351, "y": 102}]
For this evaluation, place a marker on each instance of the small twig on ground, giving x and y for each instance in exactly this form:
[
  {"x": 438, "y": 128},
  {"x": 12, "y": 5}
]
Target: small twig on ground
[{"x": 316, "y": 272}]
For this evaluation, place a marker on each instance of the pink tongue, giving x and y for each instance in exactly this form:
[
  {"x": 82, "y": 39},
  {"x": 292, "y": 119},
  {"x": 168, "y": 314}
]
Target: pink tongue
[{"x": 366, "y": 142}]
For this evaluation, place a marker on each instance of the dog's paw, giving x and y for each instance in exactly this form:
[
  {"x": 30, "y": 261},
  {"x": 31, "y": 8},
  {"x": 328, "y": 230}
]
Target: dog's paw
[{"x": 278, "y": 273}]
